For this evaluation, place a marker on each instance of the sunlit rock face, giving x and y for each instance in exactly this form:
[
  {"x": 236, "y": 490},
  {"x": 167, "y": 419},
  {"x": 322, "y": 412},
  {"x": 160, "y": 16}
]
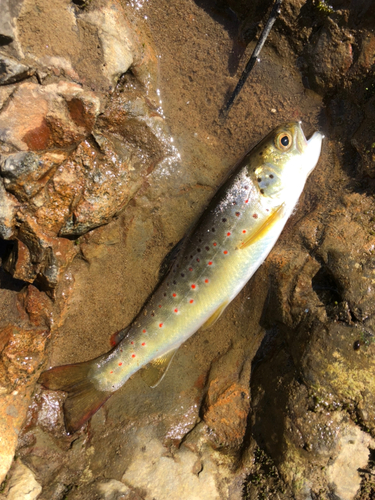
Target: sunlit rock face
[{"x": 274, "y": 401}]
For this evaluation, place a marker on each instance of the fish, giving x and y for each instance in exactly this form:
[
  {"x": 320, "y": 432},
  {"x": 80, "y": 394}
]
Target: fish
[{"x": 205, "y": 271}]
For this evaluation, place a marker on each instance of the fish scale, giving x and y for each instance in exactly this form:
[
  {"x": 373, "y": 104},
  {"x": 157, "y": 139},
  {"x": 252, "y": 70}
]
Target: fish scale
[{"x": 230, "y": 241}]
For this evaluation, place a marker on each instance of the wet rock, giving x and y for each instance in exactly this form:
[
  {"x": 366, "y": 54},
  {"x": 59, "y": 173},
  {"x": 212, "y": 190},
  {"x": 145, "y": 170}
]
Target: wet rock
[
  {"x": 26, "y": 173},
  {"x": 12, "y": 71},
  {"x": 21, "y": 360},
  {"x": 227, "y": 403},
  {"x": 363, "y": 139},
  {"x": 328, "y": 57},
  {"x": 23, "y": 484}
]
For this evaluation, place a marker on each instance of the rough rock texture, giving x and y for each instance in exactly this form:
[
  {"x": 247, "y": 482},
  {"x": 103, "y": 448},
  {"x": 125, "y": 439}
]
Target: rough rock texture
[{"x": 106, "y": 160}]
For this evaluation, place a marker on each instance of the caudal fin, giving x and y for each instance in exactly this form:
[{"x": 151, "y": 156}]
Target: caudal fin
[{"x": 83, "y": 398}]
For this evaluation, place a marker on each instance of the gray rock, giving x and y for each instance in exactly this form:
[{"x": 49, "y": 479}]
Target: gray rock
[
  {"x": 8, "y": 206},
  {"x": 6, "y": 25},
  {"x": 12, "y": 71}
]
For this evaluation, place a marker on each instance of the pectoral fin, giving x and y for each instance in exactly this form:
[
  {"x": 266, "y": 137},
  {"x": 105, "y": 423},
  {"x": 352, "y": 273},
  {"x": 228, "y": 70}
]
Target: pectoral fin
[
  {"x": 260, "y": 231},
  {"x": 216, "y": 315},
  {"x": 153, "y": 373}
]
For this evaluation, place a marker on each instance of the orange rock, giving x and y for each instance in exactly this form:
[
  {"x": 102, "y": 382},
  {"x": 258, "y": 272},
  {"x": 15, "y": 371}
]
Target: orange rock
[{"x": 42, "y": 117}]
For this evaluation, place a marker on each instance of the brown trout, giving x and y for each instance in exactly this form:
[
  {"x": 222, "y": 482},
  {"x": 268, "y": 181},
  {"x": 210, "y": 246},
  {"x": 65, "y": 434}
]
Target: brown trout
[{"x": 211, "y": 265}]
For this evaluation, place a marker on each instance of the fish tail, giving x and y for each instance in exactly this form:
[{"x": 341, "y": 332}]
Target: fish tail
[{"x": 83, "y": 400}]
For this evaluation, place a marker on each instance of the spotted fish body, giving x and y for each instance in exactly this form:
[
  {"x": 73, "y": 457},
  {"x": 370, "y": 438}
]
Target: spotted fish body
[{"x": 230, "y": 241}]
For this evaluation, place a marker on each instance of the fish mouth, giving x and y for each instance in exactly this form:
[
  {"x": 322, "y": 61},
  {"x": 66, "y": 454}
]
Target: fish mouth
[
  {"x": 308, "y": 148},
  {"x": 312, "y": 151}
]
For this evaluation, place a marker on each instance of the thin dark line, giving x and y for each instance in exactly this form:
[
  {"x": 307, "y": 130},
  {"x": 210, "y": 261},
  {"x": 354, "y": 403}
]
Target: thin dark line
[{"x": 249, "y": 66}]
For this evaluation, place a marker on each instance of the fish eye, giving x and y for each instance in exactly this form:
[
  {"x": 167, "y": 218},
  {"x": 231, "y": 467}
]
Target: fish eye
[{"x": 284, "y": 141}]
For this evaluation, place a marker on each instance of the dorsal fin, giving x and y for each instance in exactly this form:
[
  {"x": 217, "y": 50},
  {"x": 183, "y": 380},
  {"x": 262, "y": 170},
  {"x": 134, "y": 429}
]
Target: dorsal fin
[
  {"x": 153, "y": 373},
  {"x": 260, "y": 231},
  {"x": 215, "y": 316},
  {"x": 170, "y": 258}
]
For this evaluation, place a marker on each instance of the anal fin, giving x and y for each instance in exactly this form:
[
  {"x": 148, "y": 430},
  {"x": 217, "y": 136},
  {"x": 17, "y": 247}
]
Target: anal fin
[
  {"x": 215, "y": 316},
  {"x": 154, "y": 372},
  {"x": 260, "y": 231}
]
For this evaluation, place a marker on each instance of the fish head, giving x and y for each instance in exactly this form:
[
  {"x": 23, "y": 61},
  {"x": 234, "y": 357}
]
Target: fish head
[{"x": 282, "y": 161}]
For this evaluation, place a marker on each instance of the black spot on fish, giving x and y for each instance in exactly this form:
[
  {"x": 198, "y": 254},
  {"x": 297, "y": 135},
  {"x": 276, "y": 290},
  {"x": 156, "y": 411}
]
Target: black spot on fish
[
  {"x": 207, "y": 248},
  {"x": 356, "y": 345},
  {"x": 213, "y": 229},
  {"x": 198, "y": 249},
  {"x": 262, "y": 191},
  {"x": 259, "y": 179},
  {"x": 165, "y": 294},
  {"x": 224, "y": 219},
  {"x": 182, "y": 275},
  {"x": 271, "y": 176},
  {"x": 175, "y": 282}
]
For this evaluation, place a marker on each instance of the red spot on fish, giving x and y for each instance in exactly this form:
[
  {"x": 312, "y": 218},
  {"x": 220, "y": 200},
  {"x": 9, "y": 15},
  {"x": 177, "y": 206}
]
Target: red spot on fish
[
  {"x": 244, "y": 231},
  {"x": 246, "y": 201},
  {"x": 197, "y": 260},
  {"x": 206, "y": 281},
  {"x": 225, "y": 252},
  {"x": 143, "y": 331},
  {"x": 228, "y": 234},
  {"x": 159, "y": 305},
  {"x": 191, "y": 301},
  {"x": 133, "y": 355},
  {"x": 193, "y": 286},
  {"x": 120, "y": 364},
  {"x": 160, "y": 325},
  {"x": 237, "y": 214},
  {"x": 190, "y": 268},
  {"x": 174, "y": 295},
  {"x": 215, "y": 244},
  {"x": 132, "y": 343},
  {"x": 176, "y": 310},
  {"x": 210, "y": 263},
  {"x": 255, "y": 216},
  {"x": 111, "y": 372},
  {"x": 143, "y": 343}
]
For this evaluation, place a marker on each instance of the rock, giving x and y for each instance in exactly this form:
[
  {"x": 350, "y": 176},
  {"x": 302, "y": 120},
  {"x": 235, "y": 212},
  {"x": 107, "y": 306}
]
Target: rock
[
  {"x": 22, "y": 356},
  {"x": 324, "y": 66},
  {"x": 8, "y": 209},
  {"x": 113, "y": 490},
  {"x": 115, "y": 39},
  {"x": 164, "y": 477},
  {"x": 352, "y": 454},
  {"x": 56, "y": 115},
  {"x": 227, "y": 403},
  {"x": 6, "y": 25},
  {"x": 26, "y": 173},
  {"x": 12, "y": 71},
  {"x": 23, "y": 485}
]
